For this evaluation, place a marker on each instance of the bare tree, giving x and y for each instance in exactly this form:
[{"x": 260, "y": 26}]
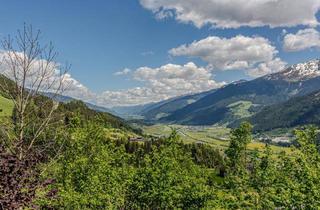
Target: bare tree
[{"x": 30, "y": 69}]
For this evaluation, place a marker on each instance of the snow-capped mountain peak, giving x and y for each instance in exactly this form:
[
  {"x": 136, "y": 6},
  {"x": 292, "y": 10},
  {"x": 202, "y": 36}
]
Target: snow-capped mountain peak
[{"x": 299, "y": 72}]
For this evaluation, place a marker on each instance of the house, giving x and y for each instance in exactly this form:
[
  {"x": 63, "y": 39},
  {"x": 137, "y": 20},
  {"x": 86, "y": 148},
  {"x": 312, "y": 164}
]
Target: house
[{"x": 136, "y": 139}]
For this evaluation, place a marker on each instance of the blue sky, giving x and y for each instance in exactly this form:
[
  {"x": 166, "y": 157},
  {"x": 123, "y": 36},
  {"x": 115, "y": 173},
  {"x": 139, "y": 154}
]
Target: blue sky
[{"x": 100, "y": 38}]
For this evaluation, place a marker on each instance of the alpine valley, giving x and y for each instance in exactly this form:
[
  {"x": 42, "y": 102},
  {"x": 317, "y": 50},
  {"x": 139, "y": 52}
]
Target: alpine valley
[
  {"x": 283, "y": 99},
  {"x": 160, "y": 104}
]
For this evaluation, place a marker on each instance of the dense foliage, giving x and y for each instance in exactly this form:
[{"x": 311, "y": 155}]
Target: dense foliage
[
  {"x": 94, "y": 172},
  {"x": 94, "y": 165}
]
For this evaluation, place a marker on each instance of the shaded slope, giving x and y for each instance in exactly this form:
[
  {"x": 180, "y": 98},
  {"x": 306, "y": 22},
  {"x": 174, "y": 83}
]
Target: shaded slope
[{"x": 296, "y": 111}]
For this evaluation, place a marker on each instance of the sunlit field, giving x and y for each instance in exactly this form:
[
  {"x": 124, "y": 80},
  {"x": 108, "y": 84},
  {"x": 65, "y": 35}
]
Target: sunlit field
[{"x": 212, "y": 135}]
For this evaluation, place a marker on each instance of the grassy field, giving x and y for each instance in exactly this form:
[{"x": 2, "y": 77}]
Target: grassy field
[
  {"x": 213, "y": 135},
  {"x": 240, "y": 109},
  {"x": 280, "y": 132},
  {"x": 6, "y": 107}
]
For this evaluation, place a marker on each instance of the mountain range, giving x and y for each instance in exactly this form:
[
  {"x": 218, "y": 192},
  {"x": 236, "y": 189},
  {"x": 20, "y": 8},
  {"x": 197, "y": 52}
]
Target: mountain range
[
  {"x": 284, "y": 99},
  {"x": 252, "y": 100}
]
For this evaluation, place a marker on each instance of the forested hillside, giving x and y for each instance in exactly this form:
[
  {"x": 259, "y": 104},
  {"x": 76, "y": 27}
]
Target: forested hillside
[
  {"x": 93, "y": 164},
  {"x": 93, "y": 171},
  {"x": 297, "y": 111}
]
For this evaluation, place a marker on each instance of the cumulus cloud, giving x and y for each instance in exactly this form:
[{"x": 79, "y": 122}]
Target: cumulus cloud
[
  {"x": 162, "y": 83},
  {"x": 239, "y": 52},
  {"x": 237, "y": 13},
  {"x": 48, "y": 79},
  {"x": 133, "y": 96},
  {"x": 268, "y": 67},
  {"x": 125, "y": 71},
  {"x": 303, "y": 39},
  {"x": 78, "y": 91},
  {"x": 176, "y": 79}
]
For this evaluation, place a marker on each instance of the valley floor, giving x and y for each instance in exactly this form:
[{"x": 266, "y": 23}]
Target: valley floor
[{"x": 217, "y": 136}]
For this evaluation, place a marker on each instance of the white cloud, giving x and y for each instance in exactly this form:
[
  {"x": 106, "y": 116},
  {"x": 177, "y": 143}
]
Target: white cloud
[
  {"x": 162, "y": 83},
  {"x": 239, "y": 52},
  {"x": 267, "y": 68},
  {"x": 78, "y": 91},
  {"x": 237, "y": 13},
  {"x": 51, "y": 79},
  {"x": 303, "y": 39},
  {"x": 125, "y": 71},
  {"x": 133, "y": 96}
]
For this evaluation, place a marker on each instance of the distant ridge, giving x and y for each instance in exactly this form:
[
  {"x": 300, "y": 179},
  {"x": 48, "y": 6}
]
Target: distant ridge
[{"x": 66, "y": 99}]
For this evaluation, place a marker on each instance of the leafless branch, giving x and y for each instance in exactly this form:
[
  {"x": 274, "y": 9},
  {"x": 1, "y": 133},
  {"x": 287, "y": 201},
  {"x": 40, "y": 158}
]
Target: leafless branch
[{"x": 32, "y": 70}]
